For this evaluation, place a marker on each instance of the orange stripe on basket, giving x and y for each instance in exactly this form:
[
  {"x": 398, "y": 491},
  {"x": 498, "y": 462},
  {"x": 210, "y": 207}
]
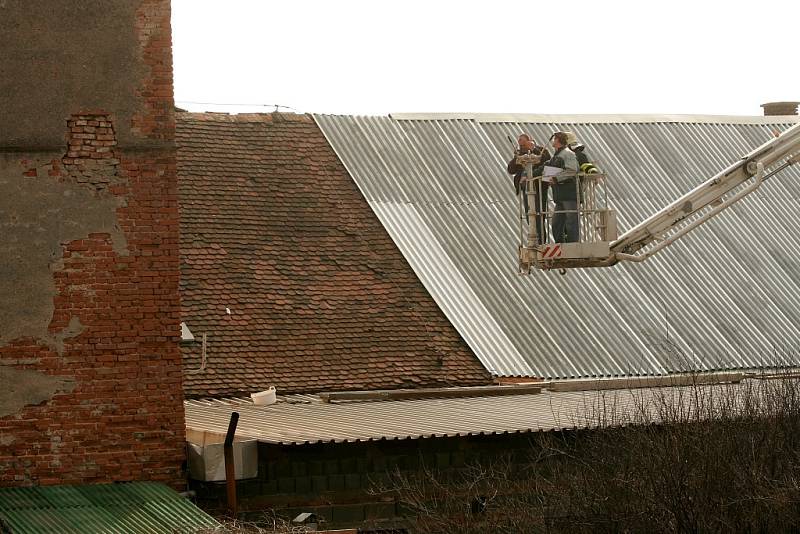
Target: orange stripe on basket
[{"x": 552, "y": 251}]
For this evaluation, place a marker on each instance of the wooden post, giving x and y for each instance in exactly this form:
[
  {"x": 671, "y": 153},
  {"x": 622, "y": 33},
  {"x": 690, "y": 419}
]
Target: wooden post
[{"x": 230, "y": 466}]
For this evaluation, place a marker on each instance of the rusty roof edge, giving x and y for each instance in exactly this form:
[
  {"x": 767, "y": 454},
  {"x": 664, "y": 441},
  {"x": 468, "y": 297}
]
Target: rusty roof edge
[
  {"x": 434, "y": 393},
  {"x": 533, "y": 386}
]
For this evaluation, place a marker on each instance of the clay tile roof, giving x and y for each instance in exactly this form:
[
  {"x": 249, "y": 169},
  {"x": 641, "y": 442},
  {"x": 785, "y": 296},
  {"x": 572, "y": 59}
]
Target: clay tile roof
[{"x": 290, "y": 275}]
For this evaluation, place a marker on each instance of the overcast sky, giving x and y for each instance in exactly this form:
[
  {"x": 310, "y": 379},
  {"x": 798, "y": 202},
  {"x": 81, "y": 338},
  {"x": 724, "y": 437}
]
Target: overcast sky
[{"x": 378, "y": 57}]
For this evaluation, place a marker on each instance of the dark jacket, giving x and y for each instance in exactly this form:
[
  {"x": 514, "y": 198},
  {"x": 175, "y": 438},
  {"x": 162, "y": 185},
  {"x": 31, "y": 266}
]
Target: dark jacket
[
  {"x": 519, "y": 171},
  {"x": 585, "y": 164}
]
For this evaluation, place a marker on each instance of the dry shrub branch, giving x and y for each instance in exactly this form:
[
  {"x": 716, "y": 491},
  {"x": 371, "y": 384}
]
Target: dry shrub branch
[{"x": 723, "y": 458}]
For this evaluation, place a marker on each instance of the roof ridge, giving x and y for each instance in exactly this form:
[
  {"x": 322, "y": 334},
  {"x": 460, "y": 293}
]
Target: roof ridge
[
  {"x": 599, "y": 118},
  {"x": 213, "y": 116}
]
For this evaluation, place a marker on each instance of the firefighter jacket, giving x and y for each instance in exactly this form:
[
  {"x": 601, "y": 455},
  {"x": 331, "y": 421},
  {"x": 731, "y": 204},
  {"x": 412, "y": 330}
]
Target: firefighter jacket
[{"x": 585, "y": 164}]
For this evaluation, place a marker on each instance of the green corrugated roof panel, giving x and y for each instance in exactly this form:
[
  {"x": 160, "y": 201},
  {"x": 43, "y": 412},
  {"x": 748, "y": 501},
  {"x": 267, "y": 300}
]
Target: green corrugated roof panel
[
  {"x": 29, "y": 520},
  {"x": 66, "y": 497},
  {"x": 22, "y": 498},
  {"x": 133, "y": 507}
]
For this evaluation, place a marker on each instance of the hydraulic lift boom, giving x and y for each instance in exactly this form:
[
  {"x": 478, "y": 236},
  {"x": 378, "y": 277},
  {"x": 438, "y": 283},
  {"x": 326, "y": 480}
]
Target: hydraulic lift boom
[
  {"x": 670, "y": 223},
  {"x": 664, "y": 226}
]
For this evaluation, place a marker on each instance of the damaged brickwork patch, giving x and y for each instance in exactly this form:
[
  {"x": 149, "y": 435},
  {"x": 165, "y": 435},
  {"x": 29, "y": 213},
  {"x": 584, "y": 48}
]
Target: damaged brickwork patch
[
  {"x": 21, "y": 387},
  {"x": 49, "y": 203},
  {"x": 90, "y": 158}
]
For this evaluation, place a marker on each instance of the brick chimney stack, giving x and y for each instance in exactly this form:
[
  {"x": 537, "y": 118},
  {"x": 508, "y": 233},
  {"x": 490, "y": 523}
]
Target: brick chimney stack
[{"x": 780, "y": 108}]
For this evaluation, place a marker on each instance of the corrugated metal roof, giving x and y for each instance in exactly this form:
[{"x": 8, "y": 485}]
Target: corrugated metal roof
[
  {"x": 299, "y": 424},
  {"x": 725, "y": 297},
  {"x": 113, "y": 508}
]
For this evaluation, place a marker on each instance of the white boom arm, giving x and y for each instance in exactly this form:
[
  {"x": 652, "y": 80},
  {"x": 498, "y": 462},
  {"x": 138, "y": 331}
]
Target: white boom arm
[{"x": 664, "y": 227}]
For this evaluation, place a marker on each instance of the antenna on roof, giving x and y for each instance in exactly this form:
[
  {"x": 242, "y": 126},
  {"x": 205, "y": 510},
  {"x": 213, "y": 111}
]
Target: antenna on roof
[{"x": 240, "y": 105}]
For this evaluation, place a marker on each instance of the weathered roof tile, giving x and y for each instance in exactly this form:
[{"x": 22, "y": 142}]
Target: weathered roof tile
[{"x": 291, "y": 276}]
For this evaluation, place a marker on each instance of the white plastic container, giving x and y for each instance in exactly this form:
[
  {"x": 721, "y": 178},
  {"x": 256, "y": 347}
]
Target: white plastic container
[
  {"x": 264, "y": 398},
  {"x": 207, "y": 457}
]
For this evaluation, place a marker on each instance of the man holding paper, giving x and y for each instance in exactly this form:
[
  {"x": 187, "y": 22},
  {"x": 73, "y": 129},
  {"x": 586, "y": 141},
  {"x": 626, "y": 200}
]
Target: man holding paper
[{"x": 561, "y": 170}]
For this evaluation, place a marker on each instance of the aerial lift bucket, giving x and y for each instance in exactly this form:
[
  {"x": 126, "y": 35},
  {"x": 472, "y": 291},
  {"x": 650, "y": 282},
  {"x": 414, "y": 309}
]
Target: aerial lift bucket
[
  {"x": 597, "y": 226},
  {"x": 598, "y": 244}
]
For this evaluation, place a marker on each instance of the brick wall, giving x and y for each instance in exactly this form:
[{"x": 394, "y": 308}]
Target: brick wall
[
  {"x": 780, "y": 108},
  {"x": 90, "y": 371}
]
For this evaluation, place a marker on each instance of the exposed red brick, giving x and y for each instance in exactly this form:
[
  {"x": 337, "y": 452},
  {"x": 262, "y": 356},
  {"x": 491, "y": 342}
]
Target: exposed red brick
[
  {"x": 124, "y": 418},
  {"x": 156, "y": 120}
]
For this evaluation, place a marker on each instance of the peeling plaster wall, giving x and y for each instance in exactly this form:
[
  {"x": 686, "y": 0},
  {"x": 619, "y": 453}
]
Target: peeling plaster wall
[
  {"x": 38, "y": 215},
  {"x": 20, "y": 388},
  {"x": 90, "y": 375}
]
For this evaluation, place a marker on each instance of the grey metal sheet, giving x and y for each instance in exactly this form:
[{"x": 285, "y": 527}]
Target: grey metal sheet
[
  {"x": 724, "y": 297},
  {"x": 298, "y": 424},
  {"x": 371, "y": 421},
  {"x": 453, "y": 293}
]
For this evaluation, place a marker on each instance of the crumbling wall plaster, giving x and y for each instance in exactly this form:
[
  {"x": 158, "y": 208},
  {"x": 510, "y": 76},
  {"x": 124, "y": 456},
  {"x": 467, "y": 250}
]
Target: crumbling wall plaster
[
  {"x": 39, "y": 215},
  {"x": 90, "y": 374},
  {"x": 22, "y": 387}
]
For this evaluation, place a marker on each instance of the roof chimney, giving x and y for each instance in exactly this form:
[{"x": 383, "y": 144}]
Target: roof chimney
[{"x": 780, "y": 108}]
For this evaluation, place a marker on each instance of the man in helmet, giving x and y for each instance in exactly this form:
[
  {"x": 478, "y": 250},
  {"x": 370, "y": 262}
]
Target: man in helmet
[
  {"x": 527, "y": 146},
  {"x": 584, "y": 161}
]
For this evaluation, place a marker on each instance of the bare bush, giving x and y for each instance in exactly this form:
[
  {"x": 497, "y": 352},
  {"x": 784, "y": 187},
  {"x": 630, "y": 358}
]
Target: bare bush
[
  {"x": 722, "y": 458},
  {"x": 268, "y": 524}
]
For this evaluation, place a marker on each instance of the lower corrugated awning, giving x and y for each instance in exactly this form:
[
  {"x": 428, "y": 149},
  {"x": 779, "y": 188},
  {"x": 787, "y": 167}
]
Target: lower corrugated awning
[
  {"x": 124, "y": 507},
  {"x": 597, "y": 403}
]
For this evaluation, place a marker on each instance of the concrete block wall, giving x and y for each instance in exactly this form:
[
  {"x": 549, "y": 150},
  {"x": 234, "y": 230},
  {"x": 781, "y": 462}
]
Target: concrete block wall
[
  {"x": 336, "y": 481},
  {"x": 90, "y": 371}
]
